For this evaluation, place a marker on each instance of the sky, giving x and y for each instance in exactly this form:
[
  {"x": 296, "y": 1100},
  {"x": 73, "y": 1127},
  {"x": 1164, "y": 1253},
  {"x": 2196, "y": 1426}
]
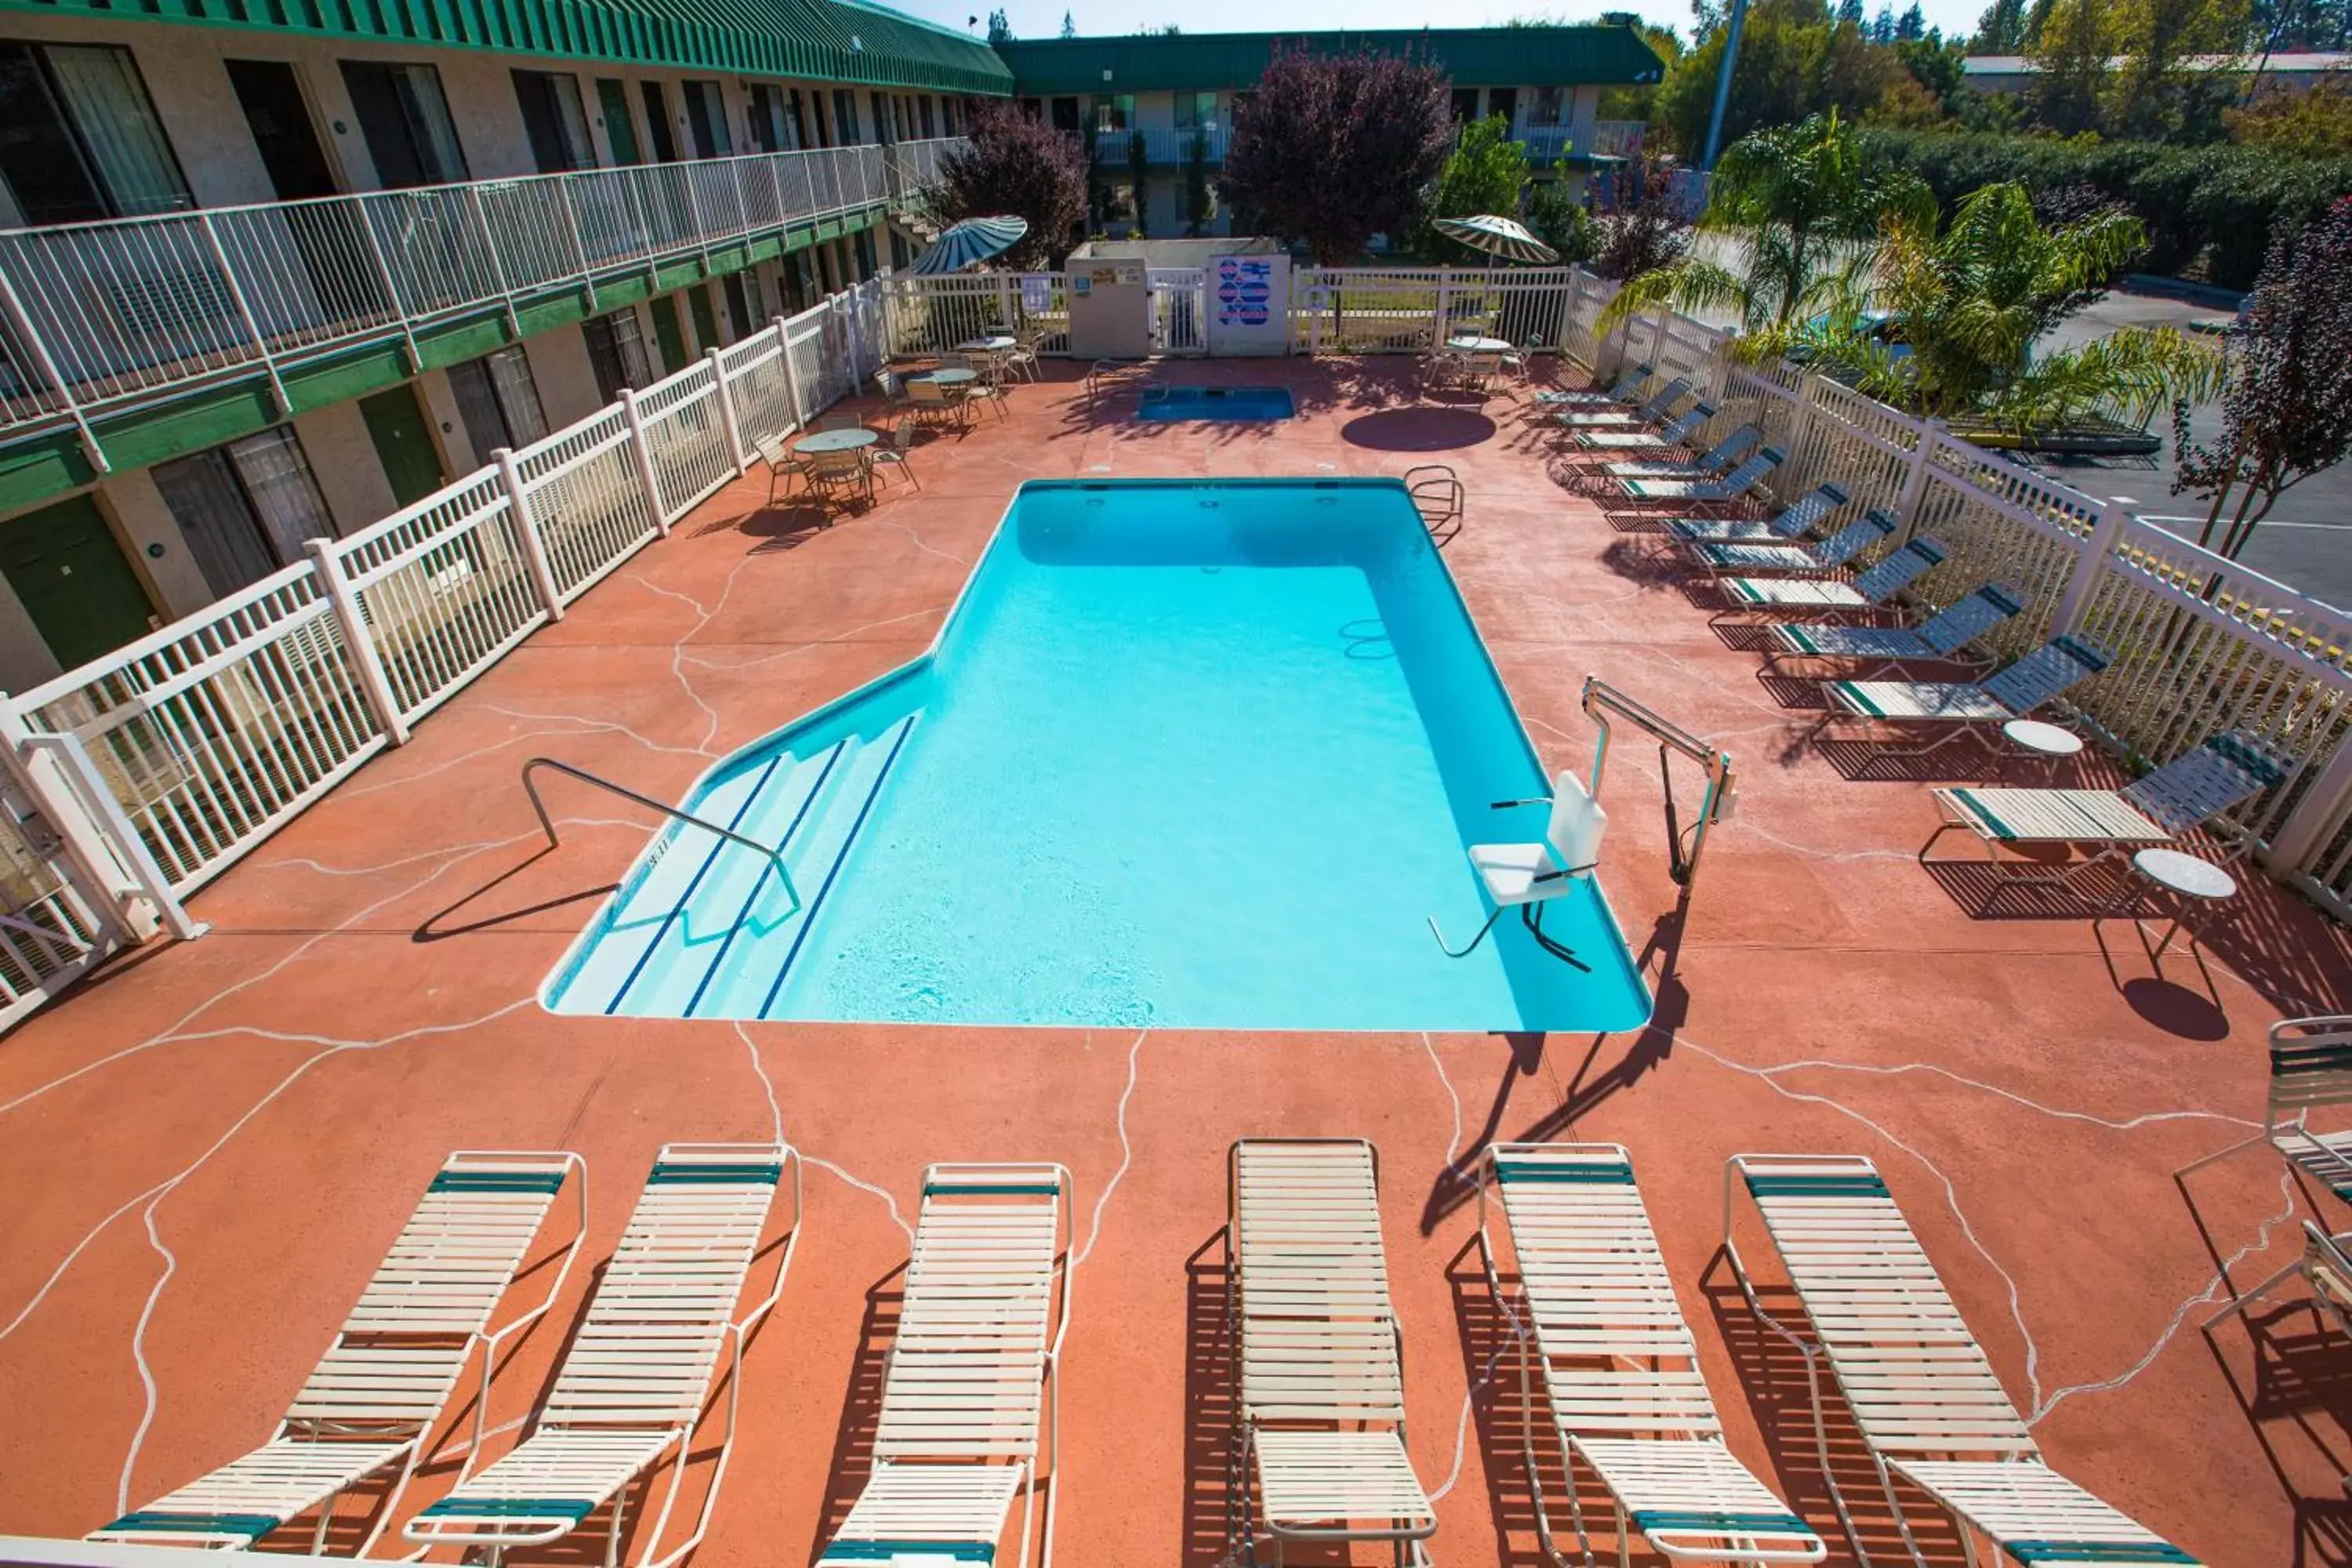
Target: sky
[{"x": 1043, "y": 18}]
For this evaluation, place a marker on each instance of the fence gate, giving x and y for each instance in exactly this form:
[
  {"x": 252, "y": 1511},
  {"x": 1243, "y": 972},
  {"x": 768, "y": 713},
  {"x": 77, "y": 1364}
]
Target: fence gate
[{"x": 1180, "y": 307}]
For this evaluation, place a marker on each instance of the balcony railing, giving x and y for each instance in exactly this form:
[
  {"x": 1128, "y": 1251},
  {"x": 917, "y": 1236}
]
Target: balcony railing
[
  {"x": 93, "y": 315},
  {"x": 1162, "y": 146},
  {"x": 1605, "y": 139}
]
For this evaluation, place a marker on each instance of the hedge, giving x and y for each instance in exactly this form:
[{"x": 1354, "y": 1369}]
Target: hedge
[{"x": 2216, "y": 203}]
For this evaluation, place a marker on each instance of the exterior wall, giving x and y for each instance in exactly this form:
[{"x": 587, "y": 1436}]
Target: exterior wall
[
  {"x": 457, "y": 454},
  {"x": 344, "y": 458},
  {"x": 567, "y": 381},
  {"x": 135, "y": 507},
  {"x": 25, "y": 659}
]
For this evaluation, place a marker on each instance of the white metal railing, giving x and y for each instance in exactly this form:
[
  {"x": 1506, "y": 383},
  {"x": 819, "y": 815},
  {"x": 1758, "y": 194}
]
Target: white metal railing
[
  {"x": 93, "y": 314},
  {"x": 211, "y": 734},
  {"x": 1544, "y": 144},
  {"x": 1614, "y": 139},
  {"x": 930, "y": 315},
  {"x": 916, "y": 165},
  {"x": 1162, "y": 145},
  {"x": 1407, "y": 309},
  {"x": 2201, "y": 643}
]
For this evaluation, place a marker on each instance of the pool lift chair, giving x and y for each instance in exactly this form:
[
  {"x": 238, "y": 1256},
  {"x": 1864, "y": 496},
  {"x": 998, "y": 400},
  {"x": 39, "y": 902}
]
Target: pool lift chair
[{"x": 1529, "y": 876}]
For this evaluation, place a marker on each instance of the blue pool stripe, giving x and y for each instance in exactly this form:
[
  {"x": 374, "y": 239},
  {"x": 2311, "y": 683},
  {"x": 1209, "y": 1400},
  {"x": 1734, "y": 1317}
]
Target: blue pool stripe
[
  {"x": 711, "y": 971},
  {"x": 677, "y": 910},
  {"x": 848, "y": 842}
]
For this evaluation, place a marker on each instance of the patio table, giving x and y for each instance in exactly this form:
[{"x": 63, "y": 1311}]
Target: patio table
[
  {"x": 837, "y": 440},
  {"x": 948, "y": 377},
  {"x": 994, "y": 343},
  {"x": 1470, "y": 345}
]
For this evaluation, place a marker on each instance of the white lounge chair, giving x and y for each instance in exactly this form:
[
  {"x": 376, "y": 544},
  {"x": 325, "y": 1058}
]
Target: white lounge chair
[
  {"x": 1591, "y": 417},
  {"x": 2311, "y": 1070},
  {"x": 1868, "y": 590},
  {"x": 1795, "y": 520},
  {"x": 1322, "y": 1366},
  {"x": 1966, "y": 707},
  {"x": 1527, "y": 875},
  {"x": 1696, "y": 491},
  {"x": 1716, "y": 460},
  {"x": 2326, "y": 1267},
  {"x": 2192, "y": 789},
  {"x": 1671, "y": 436},
  {"x": 638, "y": 1374},
  {"x": 1621, "y": 1372},
  {"x": 1627, "y": 390},
  {"x": 1925, "y": 1399},
  {"x": 968, "y": 1395},
  {"x": 1944, "y": 635},
  {"x": 1857, "y": 539},
  {"x": 375, "y": 1398}
]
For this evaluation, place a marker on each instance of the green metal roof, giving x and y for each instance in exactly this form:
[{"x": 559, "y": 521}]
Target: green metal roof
[
  {"x": 1472, "y": 57},
  {"x": 833, "y": 41}
]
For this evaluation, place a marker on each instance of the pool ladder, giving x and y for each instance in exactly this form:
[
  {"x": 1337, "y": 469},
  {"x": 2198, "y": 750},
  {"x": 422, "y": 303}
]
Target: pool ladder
[{"x": 585, "y": 776}]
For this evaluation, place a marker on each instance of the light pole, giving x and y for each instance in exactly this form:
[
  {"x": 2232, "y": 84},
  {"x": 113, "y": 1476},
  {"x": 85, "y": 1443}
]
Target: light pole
[{"x": 1723, "y": 82}]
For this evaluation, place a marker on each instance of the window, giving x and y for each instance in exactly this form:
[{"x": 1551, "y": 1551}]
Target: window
[
  {"x": 1465, "y": 104},
  {"x": 1065, "y": 114},
  {"x": 881, "y": 116},
  {"x": 616, "y": 353},
  {"x": 1504, "y": 101},
  {"x": 799, "y": 122},
  {"x": 658, "y": 125},
  {"x": 279, "y": 118},
  {"x": 923, "y": 113},
  {"x": 620, "y": 130},
  {"x": 554, "y": 119},
  {"x": 1196, "y": 111},
  {"x": 244, "y": 509},
  {"x": 845, "y": 116},
  {"x": 498, "y": 401},
  {"x": 773, "y": 131},
  {"x": 78, "y": 138},
  {"x": 705, "y": 117},
  {"x": 1114, "y": 111},
  {"x": 1543, "y": 108},
  {"x": 404, "y": 119},
  {"x": 862, "y": 243}
]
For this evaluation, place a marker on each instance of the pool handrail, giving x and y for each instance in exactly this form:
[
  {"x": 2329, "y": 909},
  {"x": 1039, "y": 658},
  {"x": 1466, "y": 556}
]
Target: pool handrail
[
  {"x": 585, "y": 776},
  {"x": 1601, "y": 701}
]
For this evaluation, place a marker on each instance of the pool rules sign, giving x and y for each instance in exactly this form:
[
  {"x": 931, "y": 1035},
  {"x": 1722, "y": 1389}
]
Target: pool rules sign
[{"x": 1249, "y": 304}]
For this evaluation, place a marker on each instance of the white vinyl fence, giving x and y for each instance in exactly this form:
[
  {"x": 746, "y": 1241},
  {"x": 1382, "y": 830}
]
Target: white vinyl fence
[{"x": 133, "y": 781}]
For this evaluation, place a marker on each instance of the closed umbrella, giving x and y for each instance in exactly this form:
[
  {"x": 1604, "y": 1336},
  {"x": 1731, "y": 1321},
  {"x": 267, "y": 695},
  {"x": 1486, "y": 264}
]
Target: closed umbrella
[
  {"x": 1500, "y": 237},
  {"x": 973, "y": 240}
]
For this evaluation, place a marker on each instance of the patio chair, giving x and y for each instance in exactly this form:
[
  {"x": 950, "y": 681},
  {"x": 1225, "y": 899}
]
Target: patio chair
[
  {"x": 1696, "y": 491},
  {"x": 1719, "y": 458},
  {"x": 1442, "y": 370},
  {"x": 1864, "y": 535},
  {"x": 1796, "y": 519},
  {"x": 1674, "y": 435},
  {"x": 1925, "y": 1401},
  {"x": 1021, "y": 359},
  {"x": 1943, "y": 636},
  {"x": 1626, "y": 390},
  {"x": 1588, "y": 417},
  {"x": 636, "y": 1378},
  {"x": 373, "y": 1399},
  {"x": 891, "y": 457},
  {"x": 839, "y": 475},
  {"x": 2326, "y": 1267},
  {"x": 1527, "y": 876},
  {"x": 783, "y": 467},
  {"x": 2226, "y": 770},
  {"x": 1966, "y": 707},
  {"x": 2311, "y": 1070},
  {"x": 970, "y": 1393},
  {"x": 929, "y": 402},
  {"x": 840, "y": 419},
  {"x": 1322, "y": 1362},
  {"x": 1867, "y": 590},
  {"x": 1621, "y": 1370}
]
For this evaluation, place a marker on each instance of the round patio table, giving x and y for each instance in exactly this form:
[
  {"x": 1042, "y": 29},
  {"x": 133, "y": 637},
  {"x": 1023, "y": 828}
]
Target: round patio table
[
  {"x": 947, "y": 377},
  {"x": 2196, "y": 885},
  {"x": 2048, "y": 741},
  {"x": 845, "y": 440},
  {"x": 1469, "y": 345},
  {"x": 994, "y": 343}
]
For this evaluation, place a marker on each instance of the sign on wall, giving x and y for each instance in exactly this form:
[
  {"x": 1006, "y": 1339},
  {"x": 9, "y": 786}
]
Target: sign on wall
[{"x": 1249, "y": 300}]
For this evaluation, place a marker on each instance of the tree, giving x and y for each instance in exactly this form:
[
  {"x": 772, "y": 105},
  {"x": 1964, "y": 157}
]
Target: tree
[
  {"x": 1911, "y": 25},
  {"x": 1795, "y": 60},
  {"x": 2157, "y": 95},
  {"x": 1484, "y": 173},
  {"x": 1335, "y": 148},
  {"x": 2001, "y": 30},
  {"x": 1069, "y": 25},
  {"x": 1138, "y": 179},
  {"x": 1850, "y": 11},
  {"x": 2287, "y": 412},
  {"x": 1011, "y": 164},
  {"x": 1806, "y": 205},
  {"x": 2314, "y": 124},
  {"x": 1200, "y": 196},
  {"x": 1642, "y": 227},
  {"x": 2071, "y": 50},
  {"x": 1560, "y": 220},
  {"x": 1000, "y": 27}
]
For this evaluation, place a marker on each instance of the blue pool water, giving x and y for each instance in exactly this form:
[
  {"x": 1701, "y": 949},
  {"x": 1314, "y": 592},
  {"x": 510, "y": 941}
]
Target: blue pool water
[
  {"x": 1185, "y": 755},
  {"x": 1241, "y": 404}
]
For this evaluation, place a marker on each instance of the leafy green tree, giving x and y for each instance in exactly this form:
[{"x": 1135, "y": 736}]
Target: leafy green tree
[
  {"x": 2157, "y": 96},
  {"x": 1795, "y": 60},
  {"x": 1200, "y": 196},
  {"x": 2071, "y": 49},
  {"x": 1560, "y": 220},
  {"x": 2314, "y": 124},
  {"x": 2001, "y": 30},
  {"x": 1000, "y": 27},
  {"x": 1804, "y": 206},
  {"x": 1484, "y": 173},
  {"x": 1335, "y": 148}
]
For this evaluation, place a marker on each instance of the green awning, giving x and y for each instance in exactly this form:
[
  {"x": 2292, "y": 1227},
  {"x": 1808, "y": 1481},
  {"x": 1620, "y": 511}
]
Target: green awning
[
  {"x": 1470, "y": 57},
  {"x": 832, "y": 40}
]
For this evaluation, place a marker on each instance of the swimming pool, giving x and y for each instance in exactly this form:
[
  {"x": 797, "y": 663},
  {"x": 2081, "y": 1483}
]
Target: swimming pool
[
  {"x": 1184, "y": 755},
  {"x": 1247, "y": 404}
]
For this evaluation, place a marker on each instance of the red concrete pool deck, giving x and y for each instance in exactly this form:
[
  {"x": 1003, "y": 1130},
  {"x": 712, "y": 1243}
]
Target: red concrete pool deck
[{"x": 205, "y": 1152}]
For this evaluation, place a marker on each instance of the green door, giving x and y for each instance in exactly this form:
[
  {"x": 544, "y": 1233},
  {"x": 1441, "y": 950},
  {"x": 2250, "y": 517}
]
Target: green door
[
  {"x": 404, "y": 443},
  {"x": 706, "y": 324},
  {"x": 83, "y": 597},
  {"x": 619, "y": 129},
  {"x": 669, "y": 334}
]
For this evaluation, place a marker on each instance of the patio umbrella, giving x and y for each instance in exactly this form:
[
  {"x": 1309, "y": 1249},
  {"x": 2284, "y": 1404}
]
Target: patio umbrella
[
  {"x": 1500, "y": 237},
  {"x": 975, "y": 240}
]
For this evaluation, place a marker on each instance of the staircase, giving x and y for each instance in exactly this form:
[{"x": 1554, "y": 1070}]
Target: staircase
[{"x": 709, "y": 930}]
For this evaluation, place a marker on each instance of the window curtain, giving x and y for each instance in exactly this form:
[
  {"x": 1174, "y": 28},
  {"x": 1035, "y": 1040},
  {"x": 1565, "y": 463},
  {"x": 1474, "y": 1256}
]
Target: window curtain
[{"x": 110, "y": 107}]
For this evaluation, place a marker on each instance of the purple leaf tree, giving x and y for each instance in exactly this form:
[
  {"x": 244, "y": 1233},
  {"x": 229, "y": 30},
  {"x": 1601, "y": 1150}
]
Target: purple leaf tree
[{"x": 1014, "y": 166}]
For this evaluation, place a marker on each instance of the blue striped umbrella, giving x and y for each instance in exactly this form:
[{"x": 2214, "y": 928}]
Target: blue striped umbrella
[
  {"x": 973, "y": 240},
  {"x": 1498, "y": 236}
]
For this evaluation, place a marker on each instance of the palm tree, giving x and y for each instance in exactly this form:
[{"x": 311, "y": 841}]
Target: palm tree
[
  {"x": 1969, "y": 302},
  {"x": 1805, "y": 205}
]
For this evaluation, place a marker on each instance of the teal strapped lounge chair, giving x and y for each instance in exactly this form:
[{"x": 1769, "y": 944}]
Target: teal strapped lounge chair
[
  {"x": 371, "y": 1404},
  {"x": 1857, "y": 539},
  {"x": 2311, "y": 1070},
  {"x": 1717, "y": 459},
  {"x": 1626, "y": 390},
  {"x": 1968, "y": 707},
  {"x": 1621, "y": 440},
  {"x": 1868, "y": 590},
  {"x": 1944, "y": 635},
  {"x": 1698, "y": 490},
  {"x": 1798, "y": 518}
]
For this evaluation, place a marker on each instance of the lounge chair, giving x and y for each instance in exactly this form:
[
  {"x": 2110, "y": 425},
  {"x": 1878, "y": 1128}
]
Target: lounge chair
[
  {"x": 1526, "y": 876},
  {"x": 638, "y": 1374},
  {"x": 1866, "y": 590},
  {"x": 2193, "y": 788},
  {"x": 1627, "y": 391},
  {"x": 1717, "y": 459},
  {"x": 968, "y": 1394},
  {"x": 373, "y": 1399},
  {"x": 1674, "y": 435},
  {"x": 1696, "y": 491},
  {"x": 1864, "y": 535},
  {"x": 1944, "y": 635},
  {"x": 2326, "y": 1267},
  {"x": 1322, "y": 1367},
  {"x": 2311, "y": 1070},
  {"x": 1621, "y": 1372},
  {"x": 1591, "y": 417},
  {"x": 1798, "y": 518},
  {"x": 1925, "y": 1400},
  {"x": 1966, "y": 707}
]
